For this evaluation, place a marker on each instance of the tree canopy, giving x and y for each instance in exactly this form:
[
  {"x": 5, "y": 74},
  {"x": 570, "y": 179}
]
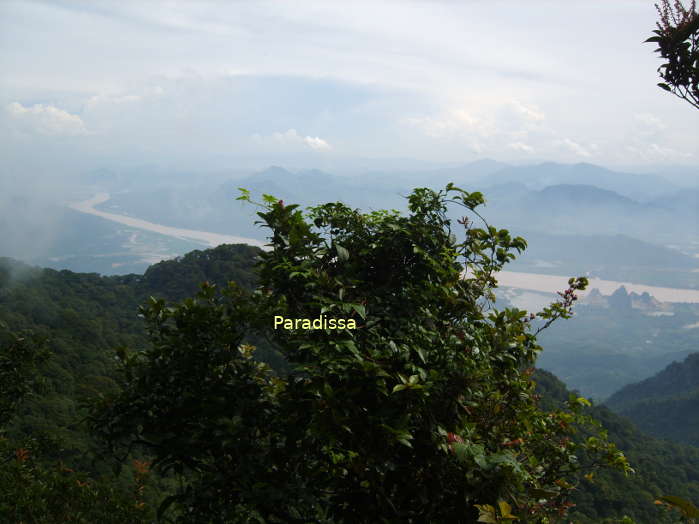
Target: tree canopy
[
  {"x": 426, "y": 412},
  {"x": 677, "y": 37}
]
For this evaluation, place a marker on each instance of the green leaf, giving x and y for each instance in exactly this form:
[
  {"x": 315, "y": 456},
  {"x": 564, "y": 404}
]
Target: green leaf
[
  {"x": 342, "y": 253},
  {"x": 583, "y": 401},
  {"x": 687, "y": 508},
  {"x": 360, "y": 309}
]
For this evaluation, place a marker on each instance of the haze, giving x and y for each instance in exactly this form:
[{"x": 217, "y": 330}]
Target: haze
[{"x": 164, "y": 104}]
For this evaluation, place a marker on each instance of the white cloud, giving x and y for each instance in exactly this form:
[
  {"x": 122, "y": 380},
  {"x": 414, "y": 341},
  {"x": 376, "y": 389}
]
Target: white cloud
[
  {"x": 106, "y": 99},
  {"x": 573, "y": 147},
  {"x": 483, "y": 118},
  {"x": 292, "y": 140},
  {"x": 521, "y": 147},
  {"x": 656, "y": 153},
  {"x": 45, "y": 120},
  {"x": 526, "y": 111},
  {"x": 478, "y": 80},
  {"x": 98, "y": 100},
  {"x": 650, "y": 121},
  {"x": 453, "y": 123}
]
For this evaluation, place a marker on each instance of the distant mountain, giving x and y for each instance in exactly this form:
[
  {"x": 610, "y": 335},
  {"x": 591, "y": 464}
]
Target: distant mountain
[
  {"x": 466, "y": 175},
  {"x": 575, "y": 209},
  {"x": 635, "y": 186},
  {"x": 546, "y": 199},
  {"x": 685, "y": 201},
  {"x": 665, "y": 405},
  {"x": 598, "y": 252}
]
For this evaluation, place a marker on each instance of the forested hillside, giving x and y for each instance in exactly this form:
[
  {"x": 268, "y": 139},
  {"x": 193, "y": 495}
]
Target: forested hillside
[
  {"x": 665, "y": 405},
  {"x": 85, "y": 317},
  {"x": 662, "y": 468}
]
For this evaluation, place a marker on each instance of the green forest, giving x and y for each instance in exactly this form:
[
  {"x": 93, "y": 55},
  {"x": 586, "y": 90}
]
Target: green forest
[
  {"x": 118, "y": 413},
  {"x": 177, "y": 396}
]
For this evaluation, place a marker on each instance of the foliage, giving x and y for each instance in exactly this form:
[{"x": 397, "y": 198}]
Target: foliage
[
  {"x": 677, "y": 37},
  {"x": 661, "y": 467},
  {"x": 30, "y": 490},
  {"x": 665, "y": 405},
  {"x": 424, "y": 413},
  {"x": 20, "y": 356},
  {"x": 688, "y": 510}
]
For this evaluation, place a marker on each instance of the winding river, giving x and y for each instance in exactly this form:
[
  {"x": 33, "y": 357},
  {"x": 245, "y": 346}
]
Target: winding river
[{"x": 527, "y": 281}]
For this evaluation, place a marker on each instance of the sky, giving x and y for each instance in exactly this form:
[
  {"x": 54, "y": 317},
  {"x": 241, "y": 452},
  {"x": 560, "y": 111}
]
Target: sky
[{"x": 90, "y": 83}]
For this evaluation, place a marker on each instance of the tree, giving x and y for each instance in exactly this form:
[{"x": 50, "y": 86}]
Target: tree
[
  {"x": 677, "y": 37},
  {"x": 425, "y": 412},
  {"x": 31, "y": 488},
  {"x": 20, "y": 356}
]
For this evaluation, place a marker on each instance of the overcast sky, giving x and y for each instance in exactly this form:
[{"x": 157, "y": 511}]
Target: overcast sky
[{"x": 86, "y": 83}]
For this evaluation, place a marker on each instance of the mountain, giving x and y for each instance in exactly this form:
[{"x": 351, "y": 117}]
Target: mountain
[
  {"x": 601, "y": 254},
  {"x": 580, "y": 199},
  {"x": 685, "y": 201},
  {"x": 86, "y": 316},
  {"x": 539, "y": 176},
  {"x": 602, "y": 349},
  {"x": 665, "y": 405},
  {"x": 661, "y": 468}
]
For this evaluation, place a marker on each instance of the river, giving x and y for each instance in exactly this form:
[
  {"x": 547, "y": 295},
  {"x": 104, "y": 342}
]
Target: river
[
  {"x": 527, "y": 281},
  {"x": 211, "y": 239},
  {"x": 551, "y": 284}
]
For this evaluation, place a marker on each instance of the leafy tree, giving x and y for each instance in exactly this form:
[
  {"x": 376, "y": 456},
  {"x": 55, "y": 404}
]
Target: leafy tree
[
  {"x": 677, "y": 37},
  {"x": 426, "y": 412},
  {"x": 32, "y": 490},
  {"x": 20, "y": 356}
]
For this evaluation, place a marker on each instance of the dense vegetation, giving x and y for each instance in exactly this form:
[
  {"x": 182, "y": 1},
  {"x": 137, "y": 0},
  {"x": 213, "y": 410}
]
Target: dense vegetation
[
  {"x": 661, "y": 468},
  {"x": 665, "y": 405},
  {"x": 423, "y": 413},
  {"x": 84, "y": 317}
]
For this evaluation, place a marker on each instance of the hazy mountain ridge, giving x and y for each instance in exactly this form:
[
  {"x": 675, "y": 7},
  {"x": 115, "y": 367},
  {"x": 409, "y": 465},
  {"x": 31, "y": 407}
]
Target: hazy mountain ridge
[
  {"x": 517, "y": 198},
  {"x": 635, "y": 186},
  {"x": 570, "y": 199}
]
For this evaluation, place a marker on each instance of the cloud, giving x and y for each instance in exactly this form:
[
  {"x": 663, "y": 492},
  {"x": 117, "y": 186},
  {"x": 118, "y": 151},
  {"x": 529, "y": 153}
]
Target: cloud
[
  {"x": 525, "y": 112},
  {"x": 656, "y": 153},
  {"x": 521, "y": 147},
  {"x": 292, "y": 140},
  {"x": 477, "y": 80},
  {"x": 574, "y": 147},
  {"x": 104, "y": 99},
  {"x": 480, "y": 118},
  {"x": 452, "y": 123},
  {"x": 45, "y": 120}
]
